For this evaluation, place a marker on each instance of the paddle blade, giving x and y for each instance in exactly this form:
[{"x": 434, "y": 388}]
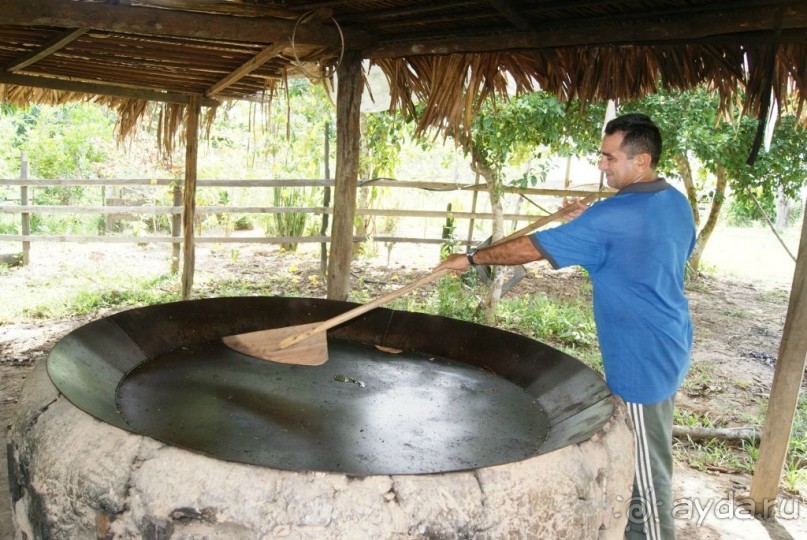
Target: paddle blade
[{"x": 265, "y": 345}]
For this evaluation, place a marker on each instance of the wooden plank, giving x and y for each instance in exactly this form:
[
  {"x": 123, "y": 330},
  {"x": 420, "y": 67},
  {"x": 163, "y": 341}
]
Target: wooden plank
[
  {"x": 189, "y": 195},
  {"x": 99, "y": 89},
  {"x": 86, "y": 239},
  {"x": 348, "y": 114},
  {"x": 49, "y": 48},
  {"x": 784, "y": 396},
  {"x": 303, "y": 182},
  {"x": 245, "y": 9},
  {"x": 210, "y": 210},
  {"x": 56, "y": 209}
]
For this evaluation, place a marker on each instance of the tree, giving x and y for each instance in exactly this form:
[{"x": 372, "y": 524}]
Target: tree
[
  {"x": 383, "y": 135},
  {"x": 532, "y": 125},
  {"x": 696, "y": 137}
]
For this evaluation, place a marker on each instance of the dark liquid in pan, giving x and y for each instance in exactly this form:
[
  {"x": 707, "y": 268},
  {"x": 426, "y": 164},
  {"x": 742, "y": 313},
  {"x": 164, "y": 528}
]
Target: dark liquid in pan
[{"x": 363, "y": 412}]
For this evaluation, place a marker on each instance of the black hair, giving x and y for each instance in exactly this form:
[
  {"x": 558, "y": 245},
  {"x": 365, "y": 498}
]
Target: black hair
[{"x": 641, "y": 135}]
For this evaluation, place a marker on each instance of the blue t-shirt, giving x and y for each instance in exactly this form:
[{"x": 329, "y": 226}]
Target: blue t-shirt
[{"x": 634, "y": 246}]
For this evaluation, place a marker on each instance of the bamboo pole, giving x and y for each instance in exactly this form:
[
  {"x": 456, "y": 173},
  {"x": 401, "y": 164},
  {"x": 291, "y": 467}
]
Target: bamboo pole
[
  {"x": 189, "y": 200},
  {"x": 784, "y": 391}
]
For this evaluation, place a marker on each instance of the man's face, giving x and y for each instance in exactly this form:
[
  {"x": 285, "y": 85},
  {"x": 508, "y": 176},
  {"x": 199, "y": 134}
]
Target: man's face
[{"x": 619, "y": 169}]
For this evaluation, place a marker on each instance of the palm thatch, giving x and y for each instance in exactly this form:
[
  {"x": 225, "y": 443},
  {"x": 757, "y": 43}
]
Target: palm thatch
[
  {"x": 452, "y": 88},
  {"x": 449, "y": 56}
]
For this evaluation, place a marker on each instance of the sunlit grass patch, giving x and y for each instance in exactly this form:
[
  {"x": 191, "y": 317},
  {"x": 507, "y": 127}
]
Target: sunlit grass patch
[{"x": 65, "y": 303}]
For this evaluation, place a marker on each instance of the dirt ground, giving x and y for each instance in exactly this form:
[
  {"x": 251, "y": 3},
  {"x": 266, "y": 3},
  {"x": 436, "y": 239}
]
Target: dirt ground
[{"x": 738, "y": 327}]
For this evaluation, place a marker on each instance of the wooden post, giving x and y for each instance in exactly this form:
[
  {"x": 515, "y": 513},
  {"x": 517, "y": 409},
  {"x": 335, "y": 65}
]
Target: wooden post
[
  {"x": 189, "y": 200},
  {"x": 474, "y": 198},
  {"x": 176, "y": 230},
  {"x": 348, "y": 102},
  {"x": 26, "y": 217},
  {"x": 784, "y": 391},
  {"x": 326, "y": 202}
]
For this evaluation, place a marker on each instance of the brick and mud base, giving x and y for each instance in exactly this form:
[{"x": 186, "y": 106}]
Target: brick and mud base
[{"x": 72, "y": 476}]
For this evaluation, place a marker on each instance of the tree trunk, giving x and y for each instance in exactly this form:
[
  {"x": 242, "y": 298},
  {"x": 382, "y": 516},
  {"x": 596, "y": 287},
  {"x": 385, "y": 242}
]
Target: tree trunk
[
  {"x": 189, "y": 196},
  {"x": 364, "y": 224},
  {"x": 494, "y": 293},
  {"x": 784, "y": 205},
  {"x": 685, "y": 170},
  {"x": 711, "y": 221}
]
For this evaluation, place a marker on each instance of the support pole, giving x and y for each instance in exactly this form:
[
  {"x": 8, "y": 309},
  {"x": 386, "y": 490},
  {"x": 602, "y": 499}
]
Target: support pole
[
  {"x": 348, "y": 118},
  {"x": 25, "y": 226},
  {"x": 784, "y": 391},
  {"x": 326, "y": 202},
  {"x": 176, "y": 229},
  {"x": 474, "y": 198},
  {"x": 189, "y": 200}
]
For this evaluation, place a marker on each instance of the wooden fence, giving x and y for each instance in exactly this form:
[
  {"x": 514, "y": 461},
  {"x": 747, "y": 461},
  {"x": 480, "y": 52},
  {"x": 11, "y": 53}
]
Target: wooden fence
[{"x": 25, "y": 209}]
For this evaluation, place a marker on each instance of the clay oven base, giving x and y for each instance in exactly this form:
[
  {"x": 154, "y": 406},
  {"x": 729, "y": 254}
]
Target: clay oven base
[{"x": 76, "y": 477}]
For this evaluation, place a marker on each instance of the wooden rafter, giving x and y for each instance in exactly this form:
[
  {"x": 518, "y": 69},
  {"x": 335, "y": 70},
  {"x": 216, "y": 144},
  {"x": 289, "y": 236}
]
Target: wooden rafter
[
  {"x": 57, "y": 43},
  {"x": 100, "y": 89},
  {"x": 219, "y": 6},
  {"x": 248, "y": 67},
  {"x": 505, "y": 7}
]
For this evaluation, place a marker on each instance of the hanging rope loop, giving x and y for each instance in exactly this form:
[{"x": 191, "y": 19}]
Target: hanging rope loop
[{"x": 299, "y": 64}]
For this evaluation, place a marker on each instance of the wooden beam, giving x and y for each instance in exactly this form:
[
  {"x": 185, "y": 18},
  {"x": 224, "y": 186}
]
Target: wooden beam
[
  {"x": 100, "y": 89},
  {"x": 49, "y": 48},
  {"x": 189, "y": 196},
  {"x": 705, "y": 26},
  {"x": 505, "y": 7},
  {"x": 166, "y": 22},
  {"x": 348, "y": 116},
  {"x": 784, "y": 396},
  {"x": 243, "y": 9},
  {"x": 248, "y": 67}
]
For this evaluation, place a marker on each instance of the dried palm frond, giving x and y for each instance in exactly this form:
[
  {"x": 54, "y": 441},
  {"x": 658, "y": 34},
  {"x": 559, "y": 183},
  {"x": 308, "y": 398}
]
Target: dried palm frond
[{"x": 451, "y": 88}]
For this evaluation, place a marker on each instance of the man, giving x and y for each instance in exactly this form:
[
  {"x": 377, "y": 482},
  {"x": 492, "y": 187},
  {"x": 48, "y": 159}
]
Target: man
[{"x": 634, "y": 246}]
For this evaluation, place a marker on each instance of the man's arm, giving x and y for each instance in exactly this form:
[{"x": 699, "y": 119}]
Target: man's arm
[{"x": 515, "y": 251}]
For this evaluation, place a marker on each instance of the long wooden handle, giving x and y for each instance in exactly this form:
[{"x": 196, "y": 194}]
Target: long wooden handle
[
  {"x": 544, "y": 220},
  {"x": 364, "y": 308},
  {"x": 380, "y": 301}
]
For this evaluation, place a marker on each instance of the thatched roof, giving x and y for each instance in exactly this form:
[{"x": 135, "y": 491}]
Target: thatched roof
[{"x": 444, "y": 54}]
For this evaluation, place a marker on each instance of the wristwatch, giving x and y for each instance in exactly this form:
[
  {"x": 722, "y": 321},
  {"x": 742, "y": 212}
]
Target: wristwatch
[{"x": 470, "y": 256}]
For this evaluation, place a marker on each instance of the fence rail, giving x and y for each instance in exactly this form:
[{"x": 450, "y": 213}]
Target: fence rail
[{"x": 26, "y": 209}]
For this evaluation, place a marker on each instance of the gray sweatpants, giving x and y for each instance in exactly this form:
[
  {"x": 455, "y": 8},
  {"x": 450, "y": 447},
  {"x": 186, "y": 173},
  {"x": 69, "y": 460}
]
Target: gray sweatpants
[{"x": 650, "y": 512}]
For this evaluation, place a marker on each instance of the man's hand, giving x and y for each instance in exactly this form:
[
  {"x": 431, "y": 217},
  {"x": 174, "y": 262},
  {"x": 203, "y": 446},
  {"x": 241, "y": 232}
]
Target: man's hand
[
  {"x": 575, "y": 206},
  {"x": 457, "y": 263}
]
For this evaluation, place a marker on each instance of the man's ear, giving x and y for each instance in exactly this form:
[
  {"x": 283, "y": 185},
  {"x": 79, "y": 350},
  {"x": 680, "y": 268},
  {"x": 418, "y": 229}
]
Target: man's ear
[{"x": 642, "y": 160}]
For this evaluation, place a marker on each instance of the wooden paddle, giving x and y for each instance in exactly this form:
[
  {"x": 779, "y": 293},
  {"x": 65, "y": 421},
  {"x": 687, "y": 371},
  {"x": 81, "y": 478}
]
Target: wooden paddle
[{"x": 307, "y": 344}]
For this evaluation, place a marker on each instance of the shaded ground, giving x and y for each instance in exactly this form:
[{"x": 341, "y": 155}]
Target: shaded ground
[{"x": 738, "y": 328}]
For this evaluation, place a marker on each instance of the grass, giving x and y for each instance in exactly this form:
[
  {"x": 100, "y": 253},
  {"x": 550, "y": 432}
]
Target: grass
[
  {"x": 86, "y": 301},
  {"x": 700, "y": 379},
  {"x": 742, "y": 456}
]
